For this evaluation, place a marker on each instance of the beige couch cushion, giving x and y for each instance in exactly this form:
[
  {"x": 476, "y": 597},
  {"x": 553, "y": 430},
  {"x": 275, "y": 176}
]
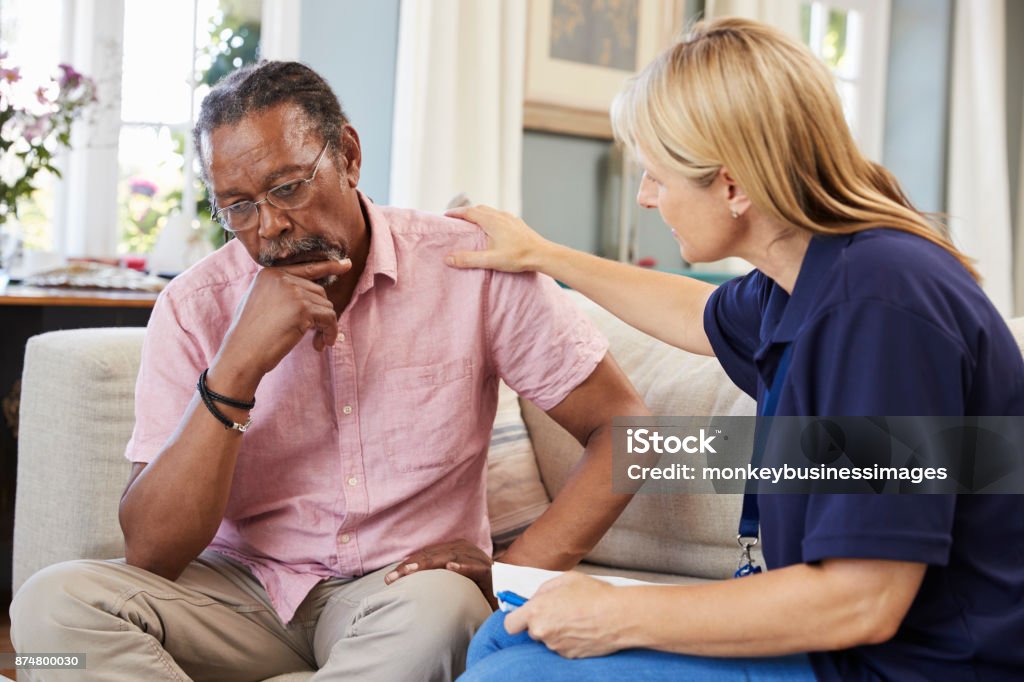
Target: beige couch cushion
[
  {"x": 515, "y": 494},
  {"x": 77, "y": 412},
  {"x": 692, "y": 535}
]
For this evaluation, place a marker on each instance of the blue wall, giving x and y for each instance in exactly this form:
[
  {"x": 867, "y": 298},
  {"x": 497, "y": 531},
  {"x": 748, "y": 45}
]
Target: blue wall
[
  {"x": 917, "y": 99},
  {"x": 354, "y": 45},
  {"x": 558, "y": 170}
]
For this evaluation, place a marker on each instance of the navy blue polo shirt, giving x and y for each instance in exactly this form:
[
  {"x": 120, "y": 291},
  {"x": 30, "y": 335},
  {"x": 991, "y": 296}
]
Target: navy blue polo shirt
[{"x": 886, "y": 323}]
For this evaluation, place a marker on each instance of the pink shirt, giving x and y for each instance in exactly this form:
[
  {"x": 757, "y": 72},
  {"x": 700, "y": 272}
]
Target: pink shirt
[{"x": 376, "y": 447}]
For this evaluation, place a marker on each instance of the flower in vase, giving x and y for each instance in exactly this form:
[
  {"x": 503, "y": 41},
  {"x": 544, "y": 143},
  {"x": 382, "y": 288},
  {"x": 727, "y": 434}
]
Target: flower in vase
[{"x": 33, "y": 130}]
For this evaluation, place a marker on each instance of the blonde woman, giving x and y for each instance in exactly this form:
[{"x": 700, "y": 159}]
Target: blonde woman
[{"x": 857, "y": 306}]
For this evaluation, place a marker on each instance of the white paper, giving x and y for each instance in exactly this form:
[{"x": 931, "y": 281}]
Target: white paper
[{"x": 524, "y": 580}]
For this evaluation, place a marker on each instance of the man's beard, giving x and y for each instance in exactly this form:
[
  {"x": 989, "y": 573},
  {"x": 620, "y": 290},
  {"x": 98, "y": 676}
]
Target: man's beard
[{"x": 303, "y": 250}]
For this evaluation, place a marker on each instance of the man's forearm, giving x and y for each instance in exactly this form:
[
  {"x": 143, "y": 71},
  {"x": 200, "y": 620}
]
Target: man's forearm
[
  {"x": 579, "y": 515},
  {"x": 586, "y": 507},
  {"x": 172, "y": 510}
]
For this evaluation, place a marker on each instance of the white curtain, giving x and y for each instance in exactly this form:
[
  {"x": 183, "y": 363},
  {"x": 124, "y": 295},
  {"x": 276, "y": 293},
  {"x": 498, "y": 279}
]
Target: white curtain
[
  {"x": 782, "y": 14},
  {"x": 979, "y": 186},
  {"x": 280, "y": 28},
  {"x": 459, "y": 103},
  {"x": 85, "y": 224}
]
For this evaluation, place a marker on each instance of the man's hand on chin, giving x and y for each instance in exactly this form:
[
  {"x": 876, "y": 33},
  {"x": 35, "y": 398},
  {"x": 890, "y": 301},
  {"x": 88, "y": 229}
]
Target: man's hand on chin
[
  {"x": 282, "y": 304},
  {"x": 458, "y": 556}
]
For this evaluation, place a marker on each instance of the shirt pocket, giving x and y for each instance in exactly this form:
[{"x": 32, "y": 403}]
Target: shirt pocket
[{"x": 429, "y": 414}]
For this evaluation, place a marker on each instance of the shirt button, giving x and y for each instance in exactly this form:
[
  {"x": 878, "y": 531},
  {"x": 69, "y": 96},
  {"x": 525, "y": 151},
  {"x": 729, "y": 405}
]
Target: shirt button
[
  {"x": 345, "y": 537},
  {"x": 341, "y": 337},
  {"x": 347, "y": 409},
  {"x": 353, "y": 481}
]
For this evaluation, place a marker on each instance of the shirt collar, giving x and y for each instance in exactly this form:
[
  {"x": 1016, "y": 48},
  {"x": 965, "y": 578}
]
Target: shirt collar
[
  {"x": 786, "y": 313},
  {"x": 381, "y": 259}
]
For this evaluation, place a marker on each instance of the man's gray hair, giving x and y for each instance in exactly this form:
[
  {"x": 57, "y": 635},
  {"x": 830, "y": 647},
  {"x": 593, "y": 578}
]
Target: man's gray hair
[{"x": 258, "y": 87}]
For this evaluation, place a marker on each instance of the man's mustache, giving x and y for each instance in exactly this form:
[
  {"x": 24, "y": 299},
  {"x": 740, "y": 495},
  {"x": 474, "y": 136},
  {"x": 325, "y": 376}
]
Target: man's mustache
[{"x": 288, "y": 251}]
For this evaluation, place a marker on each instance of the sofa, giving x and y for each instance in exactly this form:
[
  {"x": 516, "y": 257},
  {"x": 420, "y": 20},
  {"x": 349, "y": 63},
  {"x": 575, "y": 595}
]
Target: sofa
[{"x": 77, "y": 413}]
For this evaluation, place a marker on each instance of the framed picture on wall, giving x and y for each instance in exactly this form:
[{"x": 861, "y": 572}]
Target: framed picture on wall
[{"x": 580, "y": 52}]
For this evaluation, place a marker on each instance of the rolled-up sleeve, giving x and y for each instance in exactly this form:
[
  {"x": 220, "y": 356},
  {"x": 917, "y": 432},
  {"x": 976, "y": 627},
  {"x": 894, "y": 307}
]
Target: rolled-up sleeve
[
  {"x": 172, "y": 359},
  {"x": 542, "y": 345}
]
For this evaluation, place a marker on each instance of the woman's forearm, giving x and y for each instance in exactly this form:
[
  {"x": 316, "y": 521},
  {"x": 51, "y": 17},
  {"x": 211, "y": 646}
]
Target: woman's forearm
[
  {"x": 835, "y": 605},
  {"x": 668, "y": 307}
]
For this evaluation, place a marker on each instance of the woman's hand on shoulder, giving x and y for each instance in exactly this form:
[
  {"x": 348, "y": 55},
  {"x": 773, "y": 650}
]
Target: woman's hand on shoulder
[
  {"x": 572, "y": 614},
  {"x": 513, "y": 246}
]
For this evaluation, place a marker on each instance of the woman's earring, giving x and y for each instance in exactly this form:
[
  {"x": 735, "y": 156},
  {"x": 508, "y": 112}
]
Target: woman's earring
[{"x": 734, "y": 213}]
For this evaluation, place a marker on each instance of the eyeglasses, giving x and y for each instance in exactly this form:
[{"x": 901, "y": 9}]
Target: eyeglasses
[{"x": 245, "y": 215}]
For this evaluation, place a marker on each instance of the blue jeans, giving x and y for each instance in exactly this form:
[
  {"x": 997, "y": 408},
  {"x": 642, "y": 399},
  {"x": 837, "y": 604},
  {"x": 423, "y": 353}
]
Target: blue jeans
[{"x": 496, "y": 655}]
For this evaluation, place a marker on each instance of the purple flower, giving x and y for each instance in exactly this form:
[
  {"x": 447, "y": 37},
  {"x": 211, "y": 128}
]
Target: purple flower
[
  {"x": 41, "y": 95},
  {"x": 142, "y": 186},
  {"x": 11, "y": 75},
  {"x": 69, "y": 77}
]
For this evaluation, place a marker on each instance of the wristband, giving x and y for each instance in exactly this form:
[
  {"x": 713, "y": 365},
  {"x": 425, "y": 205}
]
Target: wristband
[
  {"x": 240, "y": 404},
  {"x": 205, "y": 394}
]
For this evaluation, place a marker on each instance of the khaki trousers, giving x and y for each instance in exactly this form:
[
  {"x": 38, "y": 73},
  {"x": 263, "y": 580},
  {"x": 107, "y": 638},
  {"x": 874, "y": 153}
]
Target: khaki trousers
[{"x": 216, "y": 623}]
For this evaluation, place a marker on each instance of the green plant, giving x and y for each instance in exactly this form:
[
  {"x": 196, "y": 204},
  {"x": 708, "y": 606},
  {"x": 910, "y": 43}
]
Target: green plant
[
  {"x": 146, "y": 212},
  {"x": 234, "y": 41}
]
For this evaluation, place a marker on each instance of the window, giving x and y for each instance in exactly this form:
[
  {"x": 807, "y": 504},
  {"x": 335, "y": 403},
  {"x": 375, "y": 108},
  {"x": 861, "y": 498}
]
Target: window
[
  {"x": 165, "y": 75},
  {"x": 852, "y": 37},
  {"x": 166, "y": 58}
]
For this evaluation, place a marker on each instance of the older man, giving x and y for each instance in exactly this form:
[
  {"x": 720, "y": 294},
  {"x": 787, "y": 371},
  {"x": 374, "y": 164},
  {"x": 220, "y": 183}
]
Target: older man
[{"x": 286, "y": 536}]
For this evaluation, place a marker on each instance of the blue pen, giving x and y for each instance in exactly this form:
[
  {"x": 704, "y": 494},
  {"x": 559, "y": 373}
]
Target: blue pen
[{"x": 510, "y": 601}]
